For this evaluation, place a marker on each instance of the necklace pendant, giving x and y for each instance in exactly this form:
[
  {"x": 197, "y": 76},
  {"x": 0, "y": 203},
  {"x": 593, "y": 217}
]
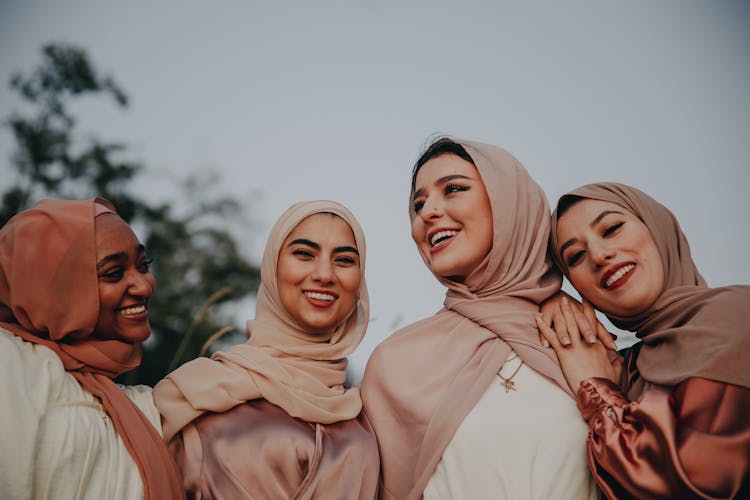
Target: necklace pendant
[{"x": 509, "y": 385}]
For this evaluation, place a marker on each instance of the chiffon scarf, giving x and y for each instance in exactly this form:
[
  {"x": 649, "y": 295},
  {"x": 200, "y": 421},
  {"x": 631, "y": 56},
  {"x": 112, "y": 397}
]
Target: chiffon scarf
[
  {"x": 691, "y": 330},
  {"x": 422, "y": 381},
  {"x": 301, "y": 372},
  {"x": 49, "y": 295}
]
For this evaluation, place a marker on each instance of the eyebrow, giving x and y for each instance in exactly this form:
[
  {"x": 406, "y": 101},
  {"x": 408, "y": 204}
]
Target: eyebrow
[
  {"x": 119, "y": 256},
  {"x": 593, "y": 223},
  {"x": 419, "y": 192},
  {"x": 312, "y": 244}
]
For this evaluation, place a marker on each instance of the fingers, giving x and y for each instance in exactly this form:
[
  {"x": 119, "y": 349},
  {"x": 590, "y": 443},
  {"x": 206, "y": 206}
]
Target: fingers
[
  {"x": 547, "y": 333},
  {"x": 572, "y": 321},
  {"x": 601, "y": 332}
]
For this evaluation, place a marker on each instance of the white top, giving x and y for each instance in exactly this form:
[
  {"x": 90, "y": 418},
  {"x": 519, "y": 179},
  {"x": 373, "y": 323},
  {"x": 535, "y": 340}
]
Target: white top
[
  {"x": 524, "y": 444},
  {"x": 55, "y": 441}
]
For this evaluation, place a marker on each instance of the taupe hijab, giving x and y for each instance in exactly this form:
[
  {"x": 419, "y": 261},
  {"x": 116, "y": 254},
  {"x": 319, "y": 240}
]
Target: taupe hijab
[
  {"x": 302, "y": 373},
  {"x": 421, "y": 382},
  {"x": 691, "y": 330}
]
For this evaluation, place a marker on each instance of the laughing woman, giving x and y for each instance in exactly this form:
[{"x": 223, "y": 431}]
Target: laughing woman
[
  {"x": 272, "y": 418},
  {"x": 466, "y": 403},
  {"x": 74, "y": 289},
  {"x": 678, "y": 423}
]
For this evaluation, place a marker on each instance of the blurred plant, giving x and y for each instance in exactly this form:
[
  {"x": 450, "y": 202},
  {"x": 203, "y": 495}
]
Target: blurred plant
[{"x": 196, "y": 259}]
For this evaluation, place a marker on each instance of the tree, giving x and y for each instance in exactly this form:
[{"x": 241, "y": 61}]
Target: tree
[{"x": 197, "y": 263}]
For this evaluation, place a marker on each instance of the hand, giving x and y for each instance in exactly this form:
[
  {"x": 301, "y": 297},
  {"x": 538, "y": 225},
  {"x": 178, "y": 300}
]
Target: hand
[
  {"x": 579, "y": 360},
  {"x": 584, "y": 321}
]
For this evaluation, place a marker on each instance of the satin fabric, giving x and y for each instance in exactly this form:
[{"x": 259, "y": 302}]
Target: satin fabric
[
  {"x": 422, "y": 381},
  {"x": 691, "y": 441},
  {"x": 256, "y": 450},
  {"x": 49, "y": 295}
]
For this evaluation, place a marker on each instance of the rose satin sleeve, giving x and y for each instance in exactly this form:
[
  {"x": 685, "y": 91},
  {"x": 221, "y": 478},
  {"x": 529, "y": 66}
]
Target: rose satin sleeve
[{"x": 693, "y": 442}]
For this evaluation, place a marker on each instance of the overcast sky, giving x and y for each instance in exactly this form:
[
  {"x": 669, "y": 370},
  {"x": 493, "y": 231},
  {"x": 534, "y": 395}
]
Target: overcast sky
[{"x": 290, "y": 101}]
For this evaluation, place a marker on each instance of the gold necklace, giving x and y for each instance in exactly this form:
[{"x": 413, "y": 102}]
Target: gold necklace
[{"x": 508, "y": 382}]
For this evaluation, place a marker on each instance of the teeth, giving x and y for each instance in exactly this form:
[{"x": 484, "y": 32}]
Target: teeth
[
  {"x": 320, "y": 296},
  {"x": 129, "y": 311},
  {"x": 441, "y": 235},
  {"x": 619, "y": 274}
]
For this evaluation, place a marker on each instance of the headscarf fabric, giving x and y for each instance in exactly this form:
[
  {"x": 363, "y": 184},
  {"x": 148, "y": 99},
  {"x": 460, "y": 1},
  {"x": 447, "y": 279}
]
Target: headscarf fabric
[
  {"x": 301, "y": 372},
  {"x": 49, "y": 295},
  {"x": 691, "y": 330},
  {"x": 422, "y": 381}
]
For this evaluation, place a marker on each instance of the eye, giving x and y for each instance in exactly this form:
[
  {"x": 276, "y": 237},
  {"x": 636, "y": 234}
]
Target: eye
[
  {"x": 575, "y": 258},
  {"x": 612, "y": 229},
  {"x": 346, "y": 261},
  {"x": 455, "y": 188},
  {"x": 113, "y": 275},
  {"x": 303, "y": 253},
  {"x": 145, "y": 265},
  {"x": 418, "y": 206}
]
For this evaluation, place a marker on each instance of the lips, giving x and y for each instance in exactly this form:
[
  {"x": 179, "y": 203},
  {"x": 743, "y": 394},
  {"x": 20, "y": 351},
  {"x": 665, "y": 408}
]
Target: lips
[
  {"x": 320, "y": 298},
  {"x": 440, "y": 235},
  {"x": 617, "y": 275}
]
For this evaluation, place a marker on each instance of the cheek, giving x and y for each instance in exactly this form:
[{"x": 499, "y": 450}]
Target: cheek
[{"x": 350, "y": 280}]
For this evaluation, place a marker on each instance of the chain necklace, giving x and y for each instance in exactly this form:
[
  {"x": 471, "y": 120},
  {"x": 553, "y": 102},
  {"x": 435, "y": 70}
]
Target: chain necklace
[{"x": 508, "y": 383}]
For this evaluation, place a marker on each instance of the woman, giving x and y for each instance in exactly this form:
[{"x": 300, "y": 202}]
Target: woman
[
  {"x": 74, "y": 290},
  {"x": 454, "y": 398},
  {"x": 678, "y": 423},
  {"x": 272, "y": 418}
]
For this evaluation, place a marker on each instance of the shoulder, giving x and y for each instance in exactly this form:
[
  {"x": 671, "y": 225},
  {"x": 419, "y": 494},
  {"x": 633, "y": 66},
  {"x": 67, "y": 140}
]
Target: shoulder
[{"x": 142, "y": 397}]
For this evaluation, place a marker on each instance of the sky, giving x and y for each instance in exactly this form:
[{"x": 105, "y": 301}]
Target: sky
[{"x": 287, "y": 101}]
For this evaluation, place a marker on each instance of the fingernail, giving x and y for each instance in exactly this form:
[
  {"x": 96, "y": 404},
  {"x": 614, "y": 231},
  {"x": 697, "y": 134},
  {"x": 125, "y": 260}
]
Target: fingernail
[
  {"x": 564, "y": 300},
  {"x": 592, "y": 340},
  {"x": 566, "y": 341}
]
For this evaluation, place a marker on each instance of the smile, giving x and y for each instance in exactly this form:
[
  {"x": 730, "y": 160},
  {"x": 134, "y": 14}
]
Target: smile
[
  {"x": 617, "y": 275},
  {"x": 327, "y": 297},
  {"x": 441, "y": 236},
  {"x": 133, "y": 310}
]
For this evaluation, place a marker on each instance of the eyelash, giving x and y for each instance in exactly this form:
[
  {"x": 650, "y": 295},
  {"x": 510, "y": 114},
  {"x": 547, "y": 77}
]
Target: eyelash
[
  {"x": 612, "y": 229},
  {"x": 449, "y": 189},
  {"x": 117, "y": 273}
]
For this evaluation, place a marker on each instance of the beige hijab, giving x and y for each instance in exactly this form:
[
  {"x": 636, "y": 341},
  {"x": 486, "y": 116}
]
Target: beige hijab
[
  {"x": 302, "y": 373},
  {"x": 691, "y": 330},
  {"x": 421, "y": 382},
  {"x": 49, "y": 295}
]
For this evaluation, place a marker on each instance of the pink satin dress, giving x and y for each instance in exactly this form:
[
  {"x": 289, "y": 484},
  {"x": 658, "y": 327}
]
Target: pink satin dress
[{"x": 257, "y": 451}]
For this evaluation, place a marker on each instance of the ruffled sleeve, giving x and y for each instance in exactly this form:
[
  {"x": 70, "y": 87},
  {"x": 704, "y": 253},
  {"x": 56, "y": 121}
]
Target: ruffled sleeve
[{"x": 692, "y": 442}]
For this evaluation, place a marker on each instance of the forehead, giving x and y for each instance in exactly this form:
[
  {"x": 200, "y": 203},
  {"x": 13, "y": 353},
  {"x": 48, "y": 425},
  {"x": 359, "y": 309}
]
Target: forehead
[
  {"x": 323, "y": 228},
  {"x": 443, "y": 165},
  {"x": 113, "y": 235}
]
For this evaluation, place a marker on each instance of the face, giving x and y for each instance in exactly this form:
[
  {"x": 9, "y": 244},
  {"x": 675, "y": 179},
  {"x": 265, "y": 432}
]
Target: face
[
  {"x": 611, "y": 256},
  {"x": 319, "y": 273},
  {"x": 125, "y": 282},
  {"x": 452, "y": 224}
]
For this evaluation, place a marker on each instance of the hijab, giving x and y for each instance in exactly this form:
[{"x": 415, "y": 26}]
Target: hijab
[
  {"x": 422, "y": 381},
  {"x": 49, "y": 295},
  {"x": 301, "y": 372},
  {"x": 691, "y": 330}
]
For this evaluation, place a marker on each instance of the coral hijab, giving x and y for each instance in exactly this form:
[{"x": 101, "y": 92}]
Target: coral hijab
[
  {"x": 300, "y": 372},
  {"x": 49, "y": 295},
  {"x": 691, "y": 330},
  {"x": 422, "y": 381}
]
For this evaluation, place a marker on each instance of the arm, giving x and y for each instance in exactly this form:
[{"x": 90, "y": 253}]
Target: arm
[{"x": 693, "y": 442}]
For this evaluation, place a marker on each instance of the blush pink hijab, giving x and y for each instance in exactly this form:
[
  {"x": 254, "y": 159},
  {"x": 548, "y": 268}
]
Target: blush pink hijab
[
  {"x": 422, "y": 381},
  {"x": 691, "y": 330},
  {"x": 302, "y": 373},
  {"x": 49, "y": 295}
]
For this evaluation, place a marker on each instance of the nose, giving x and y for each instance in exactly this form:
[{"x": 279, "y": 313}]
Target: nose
[
  {"x": 601, "y": 254},
  {"x": 431, "y": 210},
  {"x": 141, "y": 284},
  {"x": 323, "y": 271}
]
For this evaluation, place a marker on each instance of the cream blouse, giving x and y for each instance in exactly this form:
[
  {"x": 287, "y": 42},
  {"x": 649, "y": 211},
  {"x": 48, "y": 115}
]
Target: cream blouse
[
  {"x": 529, "y": 443},
  {"x": 55, "y": 438}
]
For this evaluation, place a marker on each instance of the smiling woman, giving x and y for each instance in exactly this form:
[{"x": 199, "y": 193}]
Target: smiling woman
[
  {"x": 677, "y": 425},
  {"x": 272, "y": 418},
  {"x": 74, "y": 285}
]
